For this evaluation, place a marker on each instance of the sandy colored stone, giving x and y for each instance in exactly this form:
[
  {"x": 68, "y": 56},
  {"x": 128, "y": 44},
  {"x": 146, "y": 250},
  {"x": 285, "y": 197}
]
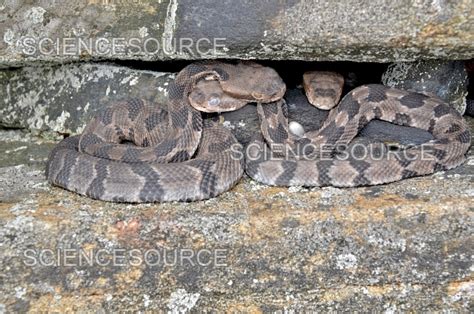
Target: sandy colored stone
[{"x": 405, "y": 246}]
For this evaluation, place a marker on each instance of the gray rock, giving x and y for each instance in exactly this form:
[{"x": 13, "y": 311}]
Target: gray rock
[
  {"x": 22, "y": 164},
  {"x": 63, "y": 98},
  {"x": 18, "y": 182},
  {"x": 382, "y": 131},
  {"x": 405, "y": 246},
  {"x": 356, "y": 30},
  {"x": 445, "y": 79}
]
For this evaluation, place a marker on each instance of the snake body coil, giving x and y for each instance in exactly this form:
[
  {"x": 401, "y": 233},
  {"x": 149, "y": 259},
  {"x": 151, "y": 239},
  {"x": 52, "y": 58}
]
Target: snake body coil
[{"x": 177, "y": 157}]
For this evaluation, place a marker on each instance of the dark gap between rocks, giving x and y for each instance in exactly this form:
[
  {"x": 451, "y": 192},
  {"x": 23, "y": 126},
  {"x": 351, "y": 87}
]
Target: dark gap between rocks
[
  {"x": 291, "y": 71},
  {"x": 470, "y": 88}
]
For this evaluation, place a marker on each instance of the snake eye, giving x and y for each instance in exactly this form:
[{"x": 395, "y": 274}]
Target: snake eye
[{"x": 214, "y": 102}]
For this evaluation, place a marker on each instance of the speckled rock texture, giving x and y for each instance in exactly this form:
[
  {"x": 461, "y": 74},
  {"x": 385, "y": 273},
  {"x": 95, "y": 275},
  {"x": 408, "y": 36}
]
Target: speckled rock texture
[
  {"x": 446, "y": 79},
  {"x": 64, "y": 98},
  {"x": 355, "y": 30},
  {"x": 405, "y": 246}
]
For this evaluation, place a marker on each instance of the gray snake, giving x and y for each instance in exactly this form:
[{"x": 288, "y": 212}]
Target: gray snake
[{"x": 177, "y": 157}]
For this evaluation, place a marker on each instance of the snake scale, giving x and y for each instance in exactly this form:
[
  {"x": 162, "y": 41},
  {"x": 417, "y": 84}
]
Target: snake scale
[{"x": 134, "y": 152}]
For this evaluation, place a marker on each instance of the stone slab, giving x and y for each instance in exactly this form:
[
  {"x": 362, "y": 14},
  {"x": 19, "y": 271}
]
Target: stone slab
[
  {"x": 355, "y": 30},
  {"x": 405, "y": 246}
]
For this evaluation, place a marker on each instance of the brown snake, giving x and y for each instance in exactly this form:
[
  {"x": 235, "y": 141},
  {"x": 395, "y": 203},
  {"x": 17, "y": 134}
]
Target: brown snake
[{"x": 176, "y": 157}]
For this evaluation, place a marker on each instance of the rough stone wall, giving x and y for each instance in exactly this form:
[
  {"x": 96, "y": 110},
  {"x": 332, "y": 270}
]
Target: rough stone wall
[
  {"x": 353, "y": 30},
  {"x": 64, "y": 98}
]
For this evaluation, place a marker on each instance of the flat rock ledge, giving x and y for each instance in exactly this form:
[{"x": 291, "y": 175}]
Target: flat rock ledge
[
  {"x": 405, "y": 246},
  {"x": 355, "y": 30}
]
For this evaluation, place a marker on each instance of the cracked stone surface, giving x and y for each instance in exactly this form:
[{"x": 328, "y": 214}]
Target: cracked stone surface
[
  {"x": 64, "y": 98},
  {"x": 446, "y": 79},
  {"x": 356, "y": 30},
  {"x": 405, "y": 246}
]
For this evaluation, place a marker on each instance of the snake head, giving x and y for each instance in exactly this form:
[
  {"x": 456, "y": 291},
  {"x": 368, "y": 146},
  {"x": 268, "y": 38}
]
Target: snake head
[
  {"x": 207, "y": 96},
  {"x": 253, "y": 82},
  {"x": 323, "y": 89},
  {"x": 269, "y": 91}
]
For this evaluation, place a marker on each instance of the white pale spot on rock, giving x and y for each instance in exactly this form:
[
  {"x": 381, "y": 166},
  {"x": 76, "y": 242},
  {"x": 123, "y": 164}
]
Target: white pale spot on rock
[
  {"x": 470, "y": 161},
  {"x": 213, "y": 102},
  {"x": 329, "y": 192},
  {"x": 36, "y": 121},
  {"x": 107, "y": 91},
  {"x": 344, "y": 261},
  {"x": 296, "y": 189},
  {"x": 20, "y": 292},
  {"x": 181, "y": 301},
  {"x": 86, "y": 107},
  {"x": 228, "y": 125},
  {"x": 80, "y": 129},
  {"x": 143, "y": 31},
  {"x": 390, "y": 309},
  {"x": 126, "y": 80},
  {"x": 161, "y": 89},
  {"x": 35, "y": 15},
  {"x": 15, "y": 149},
  {"x": 146, "y": 300},
  {"x": 9, "y": 37},
  {"x": 58, "y": 125},
  {"x": 134, "y": 81},
  {"x": 170, "y": 25}
]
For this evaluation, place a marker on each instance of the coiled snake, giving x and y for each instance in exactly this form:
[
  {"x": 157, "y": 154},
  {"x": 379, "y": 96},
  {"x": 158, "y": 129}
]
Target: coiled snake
[{"x": 177, "y": 157}]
